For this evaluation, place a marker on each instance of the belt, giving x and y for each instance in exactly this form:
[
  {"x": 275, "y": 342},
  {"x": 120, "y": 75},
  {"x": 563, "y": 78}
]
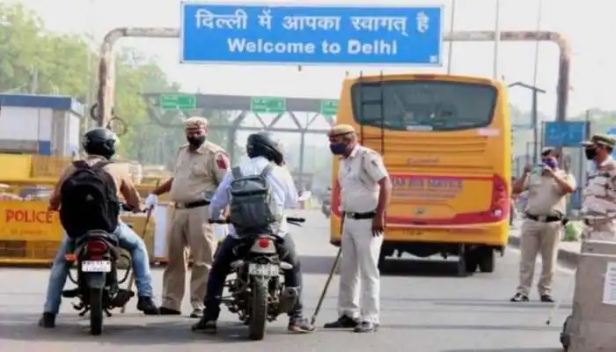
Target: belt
[
  {"x": 545, "y": 218},
  {"x": 360, "y": 216},
  {"x": 197, "y": 204}
]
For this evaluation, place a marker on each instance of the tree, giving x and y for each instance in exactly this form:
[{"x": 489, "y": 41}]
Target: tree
[{"x": 34, "y": 60}]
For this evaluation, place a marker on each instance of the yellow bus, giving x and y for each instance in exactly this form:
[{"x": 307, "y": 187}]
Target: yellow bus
[{"x": 446, "y": 141}]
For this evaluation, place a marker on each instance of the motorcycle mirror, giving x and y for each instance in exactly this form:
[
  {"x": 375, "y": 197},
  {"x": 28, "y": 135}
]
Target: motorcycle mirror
[{"x": 304, "y": 196}]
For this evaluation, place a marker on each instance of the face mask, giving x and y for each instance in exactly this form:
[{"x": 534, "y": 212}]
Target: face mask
[
  {"x": 337, "y": 148},
  {"x": 551, "y": 163},
  {"x": 590, "y": 153},
  {"x": 196, "y": 141}
]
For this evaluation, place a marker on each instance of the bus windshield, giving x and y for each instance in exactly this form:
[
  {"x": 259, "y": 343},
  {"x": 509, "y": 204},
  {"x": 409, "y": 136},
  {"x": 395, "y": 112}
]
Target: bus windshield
[{"x": 423, "y": 105}]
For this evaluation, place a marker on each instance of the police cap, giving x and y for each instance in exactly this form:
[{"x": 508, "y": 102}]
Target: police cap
[{"x": 600, "y": 139}]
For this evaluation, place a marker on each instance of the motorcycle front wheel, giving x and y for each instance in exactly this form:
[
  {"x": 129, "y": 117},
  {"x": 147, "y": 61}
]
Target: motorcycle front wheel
[
  {"x": 96, "y": 311},
  {"x": 258, "y": 314}
]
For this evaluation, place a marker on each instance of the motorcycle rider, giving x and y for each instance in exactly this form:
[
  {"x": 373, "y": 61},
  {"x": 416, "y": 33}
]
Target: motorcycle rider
[
  {"x": 262, "y": 148},
  {"x": 99, "y": 144}
]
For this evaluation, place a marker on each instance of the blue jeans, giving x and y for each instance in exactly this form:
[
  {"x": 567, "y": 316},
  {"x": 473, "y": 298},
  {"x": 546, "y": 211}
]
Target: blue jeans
[{"x": 128, "y": 240}]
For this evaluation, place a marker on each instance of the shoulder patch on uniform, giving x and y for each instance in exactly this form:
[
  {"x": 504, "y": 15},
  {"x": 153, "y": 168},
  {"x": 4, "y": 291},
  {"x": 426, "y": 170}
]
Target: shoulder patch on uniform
[{"x": 222, "y": 161}]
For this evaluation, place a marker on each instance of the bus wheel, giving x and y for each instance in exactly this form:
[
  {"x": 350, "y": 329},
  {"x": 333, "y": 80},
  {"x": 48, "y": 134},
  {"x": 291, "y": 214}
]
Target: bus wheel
[
  {"x": 487, "y": 260},
  {"x": 470, "y": 261}
]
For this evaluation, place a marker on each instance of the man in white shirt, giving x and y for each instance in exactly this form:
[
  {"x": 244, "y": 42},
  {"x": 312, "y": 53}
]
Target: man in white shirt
[{"x": 263, "y": 150}]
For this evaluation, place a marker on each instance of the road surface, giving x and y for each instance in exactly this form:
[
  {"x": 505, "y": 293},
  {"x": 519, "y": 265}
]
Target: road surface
[{"x": 429, "y": 310}]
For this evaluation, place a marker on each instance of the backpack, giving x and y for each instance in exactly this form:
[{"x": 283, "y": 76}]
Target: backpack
[
  {"x": 252, "y": 210},
  {"x": 89, "y": 200}
]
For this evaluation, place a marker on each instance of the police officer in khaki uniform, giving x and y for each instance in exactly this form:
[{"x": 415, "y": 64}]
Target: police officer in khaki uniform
[
  {"x": 545, "y": 212},
  {"x": 365, "y": 192},
  {"x": 599, "y": 196},
  {"x": 201, "y": 166}
]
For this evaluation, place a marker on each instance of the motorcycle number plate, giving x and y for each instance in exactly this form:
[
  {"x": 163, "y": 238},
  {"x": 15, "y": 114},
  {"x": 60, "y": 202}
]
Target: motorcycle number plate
[
  {"x": 262, "y": 270},
  {"x": 96, "y": 266}
]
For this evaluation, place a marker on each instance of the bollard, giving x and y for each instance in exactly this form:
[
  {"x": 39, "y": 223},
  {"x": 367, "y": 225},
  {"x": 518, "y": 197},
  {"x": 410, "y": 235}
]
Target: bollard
[{"x": 593, "y": 321}]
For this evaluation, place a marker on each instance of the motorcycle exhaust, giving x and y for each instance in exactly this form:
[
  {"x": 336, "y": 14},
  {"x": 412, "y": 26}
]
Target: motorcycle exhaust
[{"x": 288, "y": 299}]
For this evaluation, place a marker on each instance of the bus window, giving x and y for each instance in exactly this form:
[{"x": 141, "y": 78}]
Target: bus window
[{"x": 424, "y": 105}]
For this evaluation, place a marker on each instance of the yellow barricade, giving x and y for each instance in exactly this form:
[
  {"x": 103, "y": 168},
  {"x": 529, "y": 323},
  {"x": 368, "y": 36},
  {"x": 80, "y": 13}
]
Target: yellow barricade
[
  {"x": 29, "y": 233},
  {"x": 48, "y": 167}
]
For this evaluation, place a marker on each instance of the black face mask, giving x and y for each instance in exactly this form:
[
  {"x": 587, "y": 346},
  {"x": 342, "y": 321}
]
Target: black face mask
[
  {"x": 196, "y": 141},
  {"x": 590, "y": 153}
]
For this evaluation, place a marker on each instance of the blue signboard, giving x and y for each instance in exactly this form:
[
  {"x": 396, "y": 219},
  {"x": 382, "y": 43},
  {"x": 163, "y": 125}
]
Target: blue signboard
[
  {"x": 305, "y": 34},
  {"x": 564, "y": 133}
]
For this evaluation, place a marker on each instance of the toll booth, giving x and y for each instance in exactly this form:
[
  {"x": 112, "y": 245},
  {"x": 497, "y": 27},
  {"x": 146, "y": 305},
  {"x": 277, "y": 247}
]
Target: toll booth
[{"x": 40, "y": 124}]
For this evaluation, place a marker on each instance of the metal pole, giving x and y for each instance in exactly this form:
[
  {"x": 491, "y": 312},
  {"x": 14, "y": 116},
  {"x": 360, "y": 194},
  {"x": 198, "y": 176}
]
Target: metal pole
[
  {"x": 91, "y": 19},
  {"x": 106, "y": 73},
  {"x": 538, "y": 28},
  {"x": 535, "y": 121},
  {"x": 451, "y": 25},
  {"x": 497, "y": 38}
]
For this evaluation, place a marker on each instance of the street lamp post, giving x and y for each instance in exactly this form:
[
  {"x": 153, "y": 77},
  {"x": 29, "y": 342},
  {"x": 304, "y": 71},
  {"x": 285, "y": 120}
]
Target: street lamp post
[{"x": 534, "y": 114}]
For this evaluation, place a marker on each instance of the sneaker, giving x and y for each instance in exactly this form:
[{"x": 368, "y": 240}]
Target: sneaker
[
  {"x": 147, "y": 306},
  {"x": 301, "y": 325},
  {"x": 547, "y": 298},
  {"x": 344, "y": 322},
  {"x": 519, "y": 297},
  {"x": 205, "y": 325},
  {"x": 366, "y": 326},
  {"x": 196, "y": 313},
  {"x": 47, "y": 321}
]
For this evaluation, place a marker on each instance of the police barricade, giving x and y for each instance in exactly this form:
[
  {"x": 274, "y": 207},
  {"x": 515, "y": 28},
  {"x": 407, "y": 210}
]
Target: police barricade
[
  {"x": 163, "y": 215},
  {"x": 157, "y": 248},
  {"x": 31, "y": 235}
]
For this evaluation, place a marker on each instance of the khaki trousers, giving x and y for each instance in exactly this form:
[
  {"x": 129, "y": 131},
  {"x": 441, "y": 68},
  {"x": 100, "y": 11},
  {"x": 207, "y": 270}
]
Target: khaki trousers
[
  {"x": 538, "y": 238},
  {"x": 188, "y": 229}
]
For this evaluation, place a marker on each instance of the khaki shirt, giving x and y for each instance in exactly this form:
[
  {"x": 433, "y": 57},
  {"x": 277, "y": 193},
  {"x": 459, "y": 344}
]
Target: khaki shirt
[
  {"x": 358, "y": 177},
  {"x": 545, "y": 196},
  {"x": 198, "y": 172},
  {"x": 122, "y": 179},
  {"x": 599, "y": 196}
]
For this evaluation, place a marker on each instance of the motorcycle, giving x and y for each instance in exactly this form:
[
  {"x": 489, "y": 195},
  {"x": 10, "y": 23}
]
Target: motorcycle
[
  {"x": 95, "y": 255},
  {"x": 257, "y": 293}
]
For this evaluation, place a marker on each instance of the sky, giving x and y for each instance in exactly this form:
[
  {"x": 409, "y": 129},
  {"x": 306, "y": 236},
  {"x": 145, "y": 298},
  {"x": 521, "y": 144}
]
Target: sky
[{"x": 582, "y": 21}]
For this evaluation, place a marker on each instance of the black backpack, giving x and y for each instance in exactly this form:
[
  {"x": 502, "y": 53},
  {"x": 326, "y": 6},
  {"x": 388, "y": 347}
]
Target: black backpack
[
  {"x": 89, "y": 200},
  {"x": 252, "y": 209}
]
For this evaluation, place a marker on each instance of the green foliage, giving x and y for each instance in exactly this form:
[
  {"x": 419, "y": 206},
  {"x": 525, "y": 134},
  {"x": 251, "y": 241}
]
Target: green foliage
[
  {"x": 573, "y": 231},
  {"x": 34, "y": 60}
]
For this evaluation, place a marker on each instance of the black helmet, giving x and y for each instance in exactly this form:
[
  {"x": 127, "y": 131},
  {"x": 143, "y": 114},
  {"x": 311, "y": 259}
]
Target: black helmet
[
  {"x": 100, "y": 141},
  {"x": 266, "y": 145}
]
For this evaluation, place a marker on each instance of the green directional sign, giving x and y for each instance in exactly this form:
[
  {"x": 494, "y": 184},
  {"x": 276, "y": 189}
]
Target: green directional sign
[
  {"x": 268, "y": 105},
  {"x": 177, "y": 102},
  {"x": 329, "y": 107}
]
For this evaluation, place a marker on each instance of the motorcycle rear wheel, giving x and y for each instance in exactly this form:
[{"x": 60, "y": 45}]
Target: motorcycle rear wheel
[
  {"x": 96, "y": 311},
  {"x": 258, "y": 314}
]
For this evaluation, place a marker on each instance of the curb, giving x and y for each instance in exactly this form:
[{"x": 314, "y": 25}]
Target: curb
[{"x": 566, "y": 257}]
